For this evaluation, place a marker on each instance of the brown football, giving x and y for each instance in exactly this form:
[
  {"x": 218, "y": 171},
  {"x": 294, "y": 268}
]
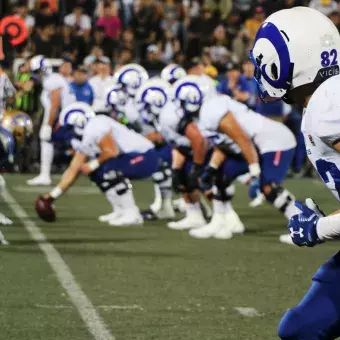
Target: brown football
[{"x": 45, "y": 209}]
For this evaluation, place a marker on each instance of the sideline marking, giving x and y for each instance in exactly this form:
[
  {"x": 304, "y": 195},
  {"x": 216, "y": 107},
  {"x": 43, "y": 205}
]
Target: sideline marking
[{"x": 85, "y": 308}]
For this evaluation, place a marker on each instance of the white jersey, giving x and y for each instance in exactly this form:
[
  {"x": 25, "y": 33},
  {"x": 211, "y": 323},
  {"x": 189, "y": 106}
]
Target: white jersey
[
  {"x": 170, "y": 121},
  {"x": 267, "y": 135},
  {"x": 100, "y": 88},
  {"x": 321, "y": 130},
  {"x": 127, "y": 140},
  {"x": 55, "y": 81}
]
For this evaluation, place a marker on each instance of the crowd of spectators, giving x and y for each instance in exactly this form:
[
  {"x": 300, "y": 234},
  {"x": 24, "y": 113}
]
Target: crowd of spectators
[
  {"x": 151, "y": 32},
  {"x": 98, "y": 36}
]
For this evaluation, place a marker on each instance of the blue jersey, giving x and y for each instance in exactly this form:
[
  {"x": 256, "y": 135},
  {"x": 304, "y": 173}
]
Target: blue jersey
[
  {"x": 241, "y": 85},
  {"x": 84, "y": 93}
]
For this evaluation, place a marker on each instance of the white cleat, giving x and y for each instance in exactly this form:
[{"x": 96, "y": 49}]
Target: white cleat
[
  {"x": 257, "y": 201},
  {"x": 286, "y": 239},
  {"x": 39, "y": 180},
  {"x": 127, "y": 219},
  {"x": 106, "y": 218},
  {"x": 166, "y": 213},
  {"x": 5, "y": 220},
  {"x": 232, "y": 220},
  {"x": 217, "y": 228},
  {"x": 189, "y": 222}
]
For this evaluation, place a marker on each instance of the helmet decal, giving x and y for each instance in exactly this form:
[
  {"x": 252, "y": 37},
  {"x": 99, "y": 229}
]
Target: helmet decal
[{"x": 280, "y": 77}]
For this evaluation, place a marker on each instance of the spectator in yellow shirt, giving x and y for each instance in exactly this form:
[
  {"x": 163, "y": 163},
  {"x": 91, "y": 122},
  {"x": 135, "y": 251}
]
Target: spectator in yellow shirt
[{"x": 253, "y": 24}]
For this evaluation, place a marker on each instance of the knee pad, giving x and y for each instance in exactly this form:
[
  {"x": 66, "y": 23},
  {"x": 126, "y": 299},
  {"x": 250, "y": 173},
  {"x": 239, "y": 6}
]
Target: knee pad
[
  {"x": 163, "y": 176},
  {"x": 113, "y": 180},
  {"x": 280, "y": 197},
  {"x": 290, "y": 327},
  {"x": 223, "y": 194}
]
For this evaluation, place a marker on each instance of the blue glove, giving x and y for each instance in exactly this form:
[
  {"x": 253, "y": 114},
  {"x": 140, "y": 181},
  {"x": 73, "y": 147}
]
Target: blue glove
[
  {"x": 254, "y": 188},
  {"x": 302, "y": 227},
  {"x": 207, "y": 178}
]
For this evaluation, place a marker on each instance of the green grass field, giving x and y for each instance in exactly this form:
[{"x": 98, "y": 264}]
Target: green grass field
[{"x": 152, "y": 283}]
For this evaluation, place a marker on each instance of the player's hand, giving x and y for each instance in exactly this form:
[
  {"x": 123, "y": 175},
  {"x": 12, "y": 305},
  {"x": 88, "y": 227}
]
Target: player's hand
[
  {"x": 302, "y": 226},
  {"x": 207, "y": 179},
  {"x": 310, "y": 203},
  {"x": 254, "y": 188},
  {"x": 194, "y": 176},
  {"x": 178, "y": 182},
  {"x": 45, "y": 133}
]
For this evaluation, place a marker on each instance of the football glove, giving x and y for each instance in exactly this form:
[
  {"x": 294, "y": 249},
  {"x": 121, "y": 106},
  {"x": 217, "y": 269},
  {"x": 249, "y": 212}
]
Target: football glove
[
  {"x": 193, "y": 178},
  {"x": 207, "y": 179},
  {"x": 302, "y": 226},
  {"x": 254, "y": 188}
]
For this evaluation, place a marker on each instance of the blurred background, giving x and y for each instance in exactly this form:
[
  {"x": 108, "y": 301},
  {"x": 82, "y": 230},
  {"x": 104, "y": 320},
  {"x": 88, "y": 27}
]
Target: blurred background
[{"x": 98, "y": 36}]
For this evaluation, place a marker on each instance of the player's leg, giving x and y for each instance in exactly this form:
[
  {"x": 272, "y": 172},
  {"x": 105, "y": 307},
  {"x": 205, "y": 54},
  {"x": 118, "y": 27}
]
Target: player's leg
[
  {"x": 316, "y": 317},
  {"x": 118, "y": 191},
  {"x": 162, "y": 205},
  {"x": 225, "y": 220},
  {"x": 275, "y": 166},
  {"x": 194, "y": 217},
  {"x": 46, "y": 156}
]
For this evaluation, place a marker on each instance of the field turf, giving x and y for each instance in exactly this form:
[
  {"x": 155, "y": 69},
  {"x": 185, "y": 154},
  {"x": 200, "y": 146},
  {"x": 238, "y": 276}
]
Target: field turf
[{"x": 152, "y": 283}]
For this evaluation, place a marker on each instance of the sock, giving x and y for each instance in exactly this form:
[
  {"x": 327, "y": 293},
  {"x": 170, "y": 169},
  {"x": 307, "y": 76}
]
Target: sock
[
  {"x": 157, "y": 203},
  {"x": 111, "y": 196},
  {"x": 46, "y": 158},
  {"x": 193, "y": 207},
  {"x": 219, "y": 207},
  {"x": 127, "y": 202},
  {"x": 290, "y": 210},
  {"x": 228, "y": 207}
]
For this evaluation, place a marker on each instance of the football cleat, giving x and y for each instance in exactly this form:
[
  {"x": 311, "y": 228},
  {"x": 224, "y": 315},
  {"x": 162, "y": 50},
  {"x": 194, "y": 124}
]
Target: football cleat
[
  {"x": 217, "y": 228},
  {"x": 191, "y": 221},
  {"x": 106, "y": 218},
  {"x": 127, "y": 219},
  {"x": 39, "y": 180}
]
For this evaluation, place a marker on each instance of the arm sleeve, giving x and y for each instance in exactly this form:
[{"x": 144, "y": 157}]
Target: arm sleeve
[
  {"x": 328, "y": 227},
  {"x": 54, "y": 82}
]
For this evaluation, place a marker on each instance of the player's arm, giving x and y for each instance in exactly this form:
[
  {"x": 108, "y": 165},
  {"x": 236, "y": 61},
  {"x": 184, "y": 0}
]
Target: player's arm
[
  {"x": 108, "y": 149},
  {"x": 198, "y": 143},
  {"x": 229, "y": 125},
  {"x": 69, "y": 175},
  {"x": 178, "y": 160}
]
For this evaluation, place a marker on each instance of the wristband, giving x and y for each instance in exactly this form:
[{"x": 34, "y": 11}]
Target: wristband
[
  {"x": 94, "y": 164},
  {"x": 56, "y": 192},
  {"x": 254, "y": 170}
]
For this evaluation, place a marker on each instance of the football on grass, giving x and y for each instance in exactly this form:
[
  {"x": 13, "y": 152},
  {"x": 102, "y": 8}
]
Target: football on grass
[{"x": 45, "y": 209}]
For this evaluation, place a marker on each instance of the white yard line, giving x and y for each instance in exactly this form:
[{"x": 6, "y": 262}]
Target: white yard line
[
  {"x": 87, "y": 311},
  {"x": 3, "y": 240}
]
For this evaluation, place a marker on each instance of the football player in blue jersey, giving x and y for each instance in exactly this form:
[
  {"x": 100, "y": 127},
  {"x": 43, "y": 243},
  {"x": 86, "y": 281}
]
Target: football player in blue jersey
[{"x": 295, "y": 54}]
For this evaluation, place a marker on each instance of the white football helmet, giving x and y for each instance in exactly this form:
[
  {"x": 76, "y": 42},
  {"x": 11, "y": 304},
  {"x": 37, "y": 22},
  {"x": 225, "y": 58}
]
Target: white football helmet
[
  {"x": 172, "y": 73},
  {"x": 151, "y": 98},
  {"x": 190, "y": 92},
  {"x": 292, "y": 48},
  {"x": 76, "y": 115},
  {"x": 131, "y": 77},
  {"x": 40, "y": 64},
  {"x": 116, "y": 96}
]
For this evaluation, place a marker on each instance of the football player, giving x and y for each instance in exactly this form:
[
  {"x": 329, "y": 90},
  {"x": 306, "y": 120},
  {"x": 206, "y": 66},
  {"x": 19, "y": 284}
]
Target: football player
[
  {"x": 56, "y": 94},
  {"x": 15, "y": 129},
  {"x": 172, "y": 73},
  {"x": 296, "y": 58},
  {"x": 110, "y": 154},
  {"x": 221, "y": 114}
]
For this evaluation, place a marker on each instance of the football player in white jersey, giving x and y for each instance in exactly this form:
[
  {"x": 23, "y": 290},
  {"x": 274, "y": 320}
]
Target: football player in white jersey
[
  {"x": 110, "y": 154},
  {"x": 172, "y": 73},
  {"x": 274, "y": 142},
  {"x": 121, "y": 98},
  {"x": 15, "y": 129},
  {"x": 56, "y": 94},
  {"x": 296, "y": 58}
]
